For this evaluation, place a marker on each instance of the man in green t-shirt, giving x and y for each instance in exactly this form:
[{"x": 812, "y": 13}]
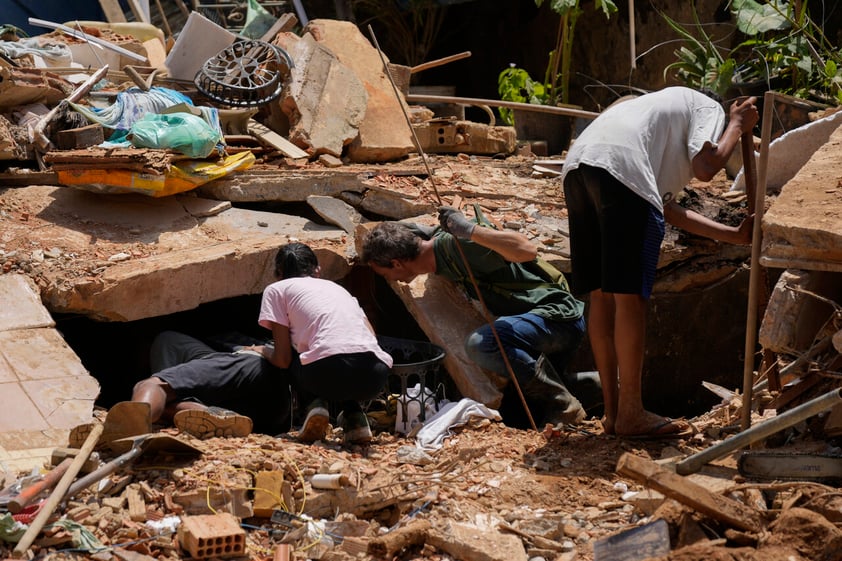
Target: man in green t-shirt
[{"x": 539, "y": 322}]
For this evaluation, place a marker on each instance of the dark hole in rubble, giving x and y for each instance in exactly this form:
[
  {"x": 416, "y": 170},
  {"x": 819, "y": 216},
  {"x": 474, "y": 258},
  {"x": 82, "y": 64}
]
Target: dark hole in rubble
[{"x": 117, "y": 354}]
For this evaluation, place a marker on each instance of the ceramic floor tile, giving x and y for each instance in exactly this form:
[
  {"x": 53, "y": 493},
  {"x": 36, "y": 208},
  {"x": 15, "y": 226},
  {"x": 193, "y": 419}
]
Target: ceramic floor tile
[
  {"x": 63, "y": 402},
  {"x": 7, "y": 373},
  {"x": 17, "y": 412},
  {"x": 39, "y": 353},
  {"x": 22, "y": 307},
  {"x": 22, "y": 441}
]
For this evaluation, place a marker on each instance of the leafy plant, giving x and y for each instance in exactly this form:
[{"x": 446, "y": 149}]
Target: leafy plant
[
  {"x": 782, "y": 47},
  {"x": 515, "y": 84}
]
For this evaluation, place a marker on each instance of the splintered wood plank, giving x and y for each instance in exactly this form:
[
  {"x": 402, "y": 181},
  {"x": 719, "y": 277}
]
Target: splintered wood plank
[
  {"x": 276, "y": 141},
  {"x": 654, "y": 476}
]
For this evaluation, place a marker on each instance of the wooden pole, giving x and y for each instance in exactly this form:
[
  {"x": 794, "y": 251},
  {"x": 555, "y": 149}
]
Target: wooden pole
[
  {"x": 556, "y": 110},
  {"x": 58, "y": 493},
  {"x": 754, "y": 274},
  {"x": 438, "y": 62}
]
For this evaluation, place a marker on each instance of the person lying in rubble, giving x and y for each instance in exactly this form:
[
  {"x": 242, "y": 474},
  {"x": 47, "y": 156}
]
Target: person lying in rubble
[
  {"x": 202, "y": 390},
  {"x": 324, "y": 339},
  {"x": 621, "y": 177},
  {"x": 322, "y": 344},
  {"x": 540, "y": 324}
]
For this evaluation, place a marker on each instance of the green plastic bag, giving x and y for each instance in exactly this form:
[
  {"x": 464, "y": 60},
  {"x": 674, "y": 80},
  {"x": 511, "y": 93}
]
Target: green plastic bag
[
  {"x": 182, "y": 132},
  {"x": 258, "y": 20}
]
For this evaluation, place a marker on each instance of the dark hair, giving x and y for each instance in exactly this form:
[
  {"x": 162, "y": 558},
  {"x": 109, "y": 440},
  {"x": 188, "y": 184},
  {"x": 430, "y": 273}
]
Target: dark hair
[
  {"x": 388, "y": 241},
  {"x": 295, "y": 260}
]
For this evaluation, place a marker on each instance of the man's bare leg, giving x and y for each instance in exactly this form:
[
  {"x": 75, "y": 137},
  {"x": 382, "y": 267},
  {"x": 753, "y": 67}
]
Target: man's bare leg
[
  {"x": 601, "y": 334},
  {"x": 630, "y": 341},
  {"x": 159, "y": 395}
]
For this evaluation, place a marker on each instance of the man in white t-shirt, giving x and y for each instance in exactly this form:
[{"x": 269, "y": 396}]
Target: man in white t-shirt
[{"x": 621, "y": 177}]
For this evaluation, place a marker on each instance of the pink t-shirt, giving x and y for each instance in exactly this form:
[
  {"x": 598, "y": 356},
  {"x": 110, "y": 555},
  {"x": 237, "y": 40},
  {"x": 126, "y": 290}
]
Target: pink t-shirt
[{"x": 323, "y": 318}]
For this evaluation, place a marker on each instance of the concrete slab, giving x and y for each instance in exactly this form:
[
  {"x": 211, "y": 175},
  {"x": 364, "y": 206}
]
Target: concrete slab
[
  {"x": 21, "y": 307},
  {"x": 801, "y": 228},
  {"x": 130, "y": 257}
]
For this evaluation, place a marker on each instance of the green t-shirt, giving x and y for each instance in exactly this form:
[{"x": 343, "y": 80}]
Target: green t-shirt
[{"x": 507, "y": 288}]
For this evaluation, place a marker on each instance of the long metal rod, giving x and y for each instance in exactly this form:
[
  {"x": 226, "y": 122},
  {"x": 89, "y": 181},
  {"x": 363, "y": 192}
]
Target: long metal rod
[
  {"x": 754, "y": 272},
  {"x": 481, "y": 300},
  {"x": 694, "y": 463}
]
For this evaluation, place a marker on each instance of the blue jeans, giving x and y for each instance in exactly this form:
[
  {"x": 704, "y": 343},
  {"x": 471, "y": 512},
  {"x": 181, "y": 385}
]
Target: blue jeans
[{"x": 525, "y": 337}]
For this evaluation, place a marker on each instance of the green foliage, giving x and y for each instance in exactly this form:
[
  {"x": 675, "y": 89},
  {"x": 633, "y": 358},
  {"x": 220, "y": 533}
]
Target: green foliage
[
  {"x": 555, "y": 88},
  {"x": 515, "y": 84},
  {"x": 783, "y": 47}
]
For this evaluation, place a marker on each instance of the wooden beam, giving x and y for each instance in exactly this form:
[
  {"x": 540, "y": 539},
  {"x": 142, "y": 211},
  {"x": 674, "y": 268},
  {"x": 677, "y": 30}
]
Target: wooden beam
[
  {"x": 695, "y": 496},
  {"x": 113, "y": 11}
]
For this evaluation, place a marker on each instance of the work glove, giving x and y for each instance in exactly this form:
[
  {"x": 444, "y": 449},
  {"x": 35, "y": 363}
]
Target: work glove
[{"x": 454, "y": 222}]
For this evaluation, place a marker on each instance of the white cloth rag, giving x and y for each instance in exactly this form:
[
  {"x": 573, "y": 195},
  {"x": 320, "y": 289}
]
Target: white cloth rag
[{"x": 453, "y": 414}]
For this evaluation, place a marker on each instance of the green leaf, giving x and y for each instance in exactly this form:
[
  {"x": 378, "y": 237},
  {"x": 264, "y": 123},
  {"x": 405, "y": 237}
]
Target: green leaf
[{"x": 754, "y": 18}]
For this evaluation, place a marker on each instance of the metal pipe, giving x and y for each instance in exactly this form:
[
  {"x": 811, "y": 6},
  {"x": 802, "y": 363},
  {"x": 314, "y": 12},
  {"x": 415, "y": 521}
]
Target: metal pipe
[{"x": 694, "y": 463}]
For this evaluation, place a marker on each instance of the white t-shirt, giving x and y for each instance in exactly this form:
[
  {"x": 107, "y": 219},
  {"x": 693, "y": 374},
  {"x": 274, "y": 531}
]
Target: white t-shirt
[
  {"x": 648, "y": 143},
  {"x": 323, "y": 318}
]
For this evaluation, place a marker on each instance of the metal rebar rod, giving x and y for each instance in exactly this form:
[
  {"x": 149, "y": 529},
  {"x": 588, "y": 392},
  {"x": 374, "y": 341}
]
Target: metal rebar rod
[{"x": 694, "y": 463}]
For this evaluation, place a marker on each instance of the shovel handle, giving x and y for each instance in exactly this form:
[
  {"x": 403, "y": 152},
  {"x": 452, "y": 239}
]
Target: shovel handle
[{"x": 19, "y": 502}]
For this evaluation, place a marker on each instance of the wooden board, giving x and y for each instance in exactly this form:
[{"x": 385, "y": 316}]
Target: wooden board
[
  {"x": 688, "y": 493},
  {"x": 273, "y": 139}
]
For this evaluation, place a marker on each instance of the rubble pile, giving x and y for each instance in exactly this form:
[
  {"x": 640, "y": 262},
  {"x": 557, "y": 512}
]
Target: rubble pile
[{"x": 94, "y": 220}]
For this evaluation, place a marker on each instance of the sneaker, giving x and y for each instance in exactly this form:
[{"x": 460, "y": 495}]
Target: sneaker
[
  {"x": 355, "y": 427},
  {"x": 316, "y": 423},
  {"x": 213, "y": 421}
]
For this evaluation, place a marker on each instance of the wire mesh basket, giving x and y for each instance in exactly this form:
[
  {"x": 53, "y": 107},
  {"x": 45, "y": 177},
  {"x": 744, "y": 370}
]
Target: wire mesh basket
[{"x": 415, "y": 362}]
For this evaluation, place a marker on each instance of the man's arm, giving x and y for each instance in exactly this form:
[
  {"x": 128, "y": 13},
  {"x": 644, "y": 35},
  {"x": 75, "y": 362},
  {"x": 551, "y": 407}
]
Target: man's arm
[
  {"x": 695, "y": 223},
  {"x": 512, "y": 246},
  {"x": 712, "y": 158}
]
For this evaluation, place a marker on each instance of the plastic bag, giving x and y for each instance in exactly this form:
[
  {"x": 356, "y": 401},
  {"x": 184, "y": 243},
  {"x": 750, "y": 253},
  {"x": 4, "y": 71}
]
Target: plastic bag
[
  {"x": 258, "y": 20},
  {"x": 182, "y": 132}
]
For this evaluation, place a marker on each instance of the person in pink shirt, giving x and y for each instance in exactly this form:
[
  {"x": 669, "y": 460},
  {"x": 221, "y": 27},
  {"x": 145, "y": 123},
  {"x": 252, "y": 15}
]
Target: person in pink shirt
[{"x": 322, "y": 336}]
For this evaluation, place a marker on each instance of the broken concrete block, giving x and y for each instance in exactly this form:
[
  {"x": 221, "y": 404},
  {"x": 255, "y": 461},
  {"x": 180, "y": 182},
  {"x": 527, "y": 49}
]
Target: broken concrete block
[
  {"x": 336, "y": 212},
  {"x": 475, "y": 544},
  {"x": 324, "y": 101},
  {"x": 384, "y": 134},
  {"x": 442, "y": 136},
  {"x": 21, "y": 86}
]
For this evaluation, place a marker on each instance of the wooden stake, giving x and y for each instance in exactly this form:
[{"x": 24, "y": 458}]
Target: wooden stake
[
  {"x": 58, "y": 493},
  {"x": 754, "y": 273}
]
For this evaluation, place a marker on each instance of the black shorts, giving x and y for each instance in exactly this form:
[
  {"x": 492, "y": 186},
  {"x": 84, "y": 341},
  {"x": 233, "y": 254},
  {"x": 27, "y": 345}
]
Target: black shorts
[
  {"x": 242, "y": 382},
  {"x": 615, "y": 235}
]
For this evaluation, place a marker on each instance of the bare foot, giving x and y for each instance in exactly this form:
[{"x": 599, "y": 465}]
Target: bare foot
[{"x": 652, "y": 425}]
